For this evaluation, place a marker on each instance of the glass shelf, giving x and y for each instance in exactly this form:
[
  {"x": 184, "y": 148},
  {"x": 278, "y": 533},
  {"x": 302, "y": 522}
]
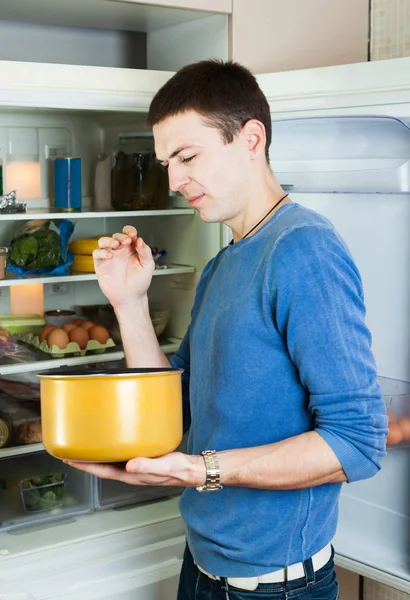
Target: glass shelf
[
  {"x": 342, "y": 154},
  {"x": 43, "y": 362},
  {"x": 86, "y": 214},
  {"x": 170, "y": 270}
]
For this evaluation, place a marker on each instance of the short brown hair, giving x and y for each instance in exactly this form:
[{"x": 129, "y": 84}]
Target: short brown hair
[{"x": 226, "y": 94}]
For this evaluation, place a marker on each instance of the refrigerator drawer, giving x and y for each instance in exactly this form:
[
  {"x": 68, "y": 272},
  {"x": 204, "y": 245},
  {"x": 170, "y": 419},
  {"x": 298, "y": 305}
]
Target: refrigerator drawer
[
  {"x": 39, "y": 489},
  {"x": 111, "y": 494}
]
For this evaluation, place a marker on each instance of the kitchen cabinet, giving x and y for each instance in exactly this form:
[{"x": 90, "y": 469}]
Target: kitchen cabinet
[
  {"x": 271, "y": 35},
  {"x": 349, "y": 585},
  {"x": 138, "y": 35},
  {"x": 216, "y": 6}
]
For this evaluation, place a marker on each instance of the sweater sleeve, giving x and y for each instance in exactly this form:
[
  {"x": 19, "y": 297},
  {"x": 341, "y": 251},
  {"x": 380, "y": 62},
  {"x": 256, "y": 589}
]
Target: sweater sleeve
[{"x": 319, "y": 311}]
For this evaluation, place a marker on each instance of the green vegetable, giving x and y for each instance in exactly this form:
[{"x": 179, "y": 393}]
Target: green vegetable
[
  {"x": 42, "y": 493},
  {"x": 32, "y": 499},
  {"x": 37, "y": 247}
]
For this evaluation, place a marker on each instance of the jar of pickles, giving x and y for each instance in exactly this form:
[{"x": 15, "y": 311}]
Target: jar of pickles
[{"x": 138, "y": 182}]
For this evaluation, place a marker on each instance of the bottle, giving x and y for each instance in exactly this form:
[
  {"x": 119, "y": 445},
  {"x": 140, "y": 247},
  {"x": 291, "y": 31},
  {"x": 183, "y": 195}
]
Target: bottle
[{"x": 102, "y": 183}]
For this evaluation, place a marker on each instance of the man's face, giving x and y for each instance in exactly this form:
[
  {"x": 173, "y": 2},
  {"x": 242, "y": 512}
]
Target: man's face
[{"x": 210, "y": 174}]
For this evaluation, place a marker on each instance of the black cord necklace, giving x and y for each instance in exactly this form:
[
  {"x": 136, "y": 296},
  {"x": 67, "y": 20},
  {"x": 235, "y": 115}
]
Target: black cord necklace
[{"x": 231, "y": 243}]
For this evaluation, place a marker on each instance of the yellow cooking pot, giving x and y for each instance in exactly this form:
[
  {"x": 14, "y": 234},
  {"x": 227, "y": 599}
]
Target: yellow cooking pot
[{"x": 111, "y": 415}]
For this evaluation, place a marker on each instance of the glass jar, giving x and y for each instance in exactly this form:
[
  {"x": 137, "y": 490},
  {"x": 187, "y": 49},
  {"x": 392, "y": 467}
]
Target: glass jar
[{"x": 138, "y": 182}]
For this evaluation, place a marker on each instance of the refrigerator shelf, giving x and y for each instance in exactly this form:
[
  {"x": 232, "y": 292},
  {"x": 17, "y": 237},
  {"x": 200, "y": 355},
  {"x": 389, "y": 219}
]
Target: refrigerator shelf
[
  {"x": 171, "y": 270},
  {"x": 49, "y": 214},
  {"x": 43, "y": 362},
  {"x": 342, "y": 154}
]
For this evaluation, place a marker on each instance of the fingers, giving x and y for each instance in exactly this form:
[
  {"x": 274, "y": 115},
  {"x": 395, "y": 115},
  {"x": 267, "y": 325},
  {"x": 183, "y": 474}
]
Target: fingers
[
  {"x": 107, "y": 244},
  {"x": 105, "y": 471}
]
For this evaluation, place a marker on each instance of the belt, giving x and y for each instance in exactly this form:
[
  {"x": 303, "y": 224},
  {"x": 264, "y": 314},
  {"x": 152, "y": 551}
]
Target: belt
[{"x": 295, "y": 571}]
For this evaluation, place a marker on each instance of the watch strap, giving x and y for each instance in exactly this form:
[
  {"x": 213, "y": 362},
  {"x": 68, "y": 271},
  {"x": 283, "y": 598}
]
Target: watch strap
[{"x": 213, "y": 472}]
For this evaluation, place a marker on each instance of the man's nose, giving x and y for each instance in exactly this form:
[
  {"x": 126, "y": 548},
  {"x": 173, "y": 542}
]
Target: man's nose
[{"x": 178, "y": 178}]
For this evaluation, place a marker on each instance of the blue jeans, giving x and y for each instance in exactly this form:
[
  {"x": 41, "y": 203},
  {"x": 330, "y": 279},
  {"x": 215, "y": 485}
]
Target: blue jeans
[{"x": 322, "y": 585}]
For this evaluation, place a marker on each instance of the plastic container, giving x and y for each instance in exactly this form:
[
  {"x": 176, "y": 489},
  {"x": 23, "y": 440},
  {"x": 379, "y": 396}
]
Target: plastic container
[
  {"x": 72, "y": 348},
  {"x": 30, "y": 323},
  {"x": 20, "y": 422},
  {"x": 59, "y": 317},
  {"x": 138, "y": 182},
  {"x": 77, "y": 497},
  {"x": 397, "y": 397},
  {"x": 43, "y": 492}
]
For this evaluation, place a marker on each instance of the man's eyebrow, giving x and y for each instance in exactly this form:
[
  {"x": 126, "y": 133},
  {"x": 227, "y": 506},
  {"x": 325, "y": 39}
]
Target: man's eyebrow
[{"x": 175, "y": 152}]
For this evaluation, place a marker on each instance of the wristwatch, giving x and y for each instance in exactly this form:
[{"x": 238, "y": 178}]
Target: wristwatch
[{"x": 213, "y": 473}]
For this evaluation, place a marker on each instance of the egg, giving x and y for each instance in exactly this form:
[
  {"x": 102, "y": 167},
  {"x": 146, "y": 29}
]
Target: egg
[
  {"x": 45, "y": 331},
  {"x": 405, "y": 427},
  {"x": 87, "y": 325},
  {"x": 79, "y": 336},
  {"x": 58, "y": 337},
  {"x": 99, "y": 333},
  {"x": 68, "y": 327},
  {"x": 78, "y": 321},
  {"x": 395, "y": 435}
]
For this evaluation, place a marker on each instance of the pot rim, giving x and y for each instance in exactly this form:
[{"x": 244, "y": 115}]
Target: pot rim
[{"x": 100, "y": 374}]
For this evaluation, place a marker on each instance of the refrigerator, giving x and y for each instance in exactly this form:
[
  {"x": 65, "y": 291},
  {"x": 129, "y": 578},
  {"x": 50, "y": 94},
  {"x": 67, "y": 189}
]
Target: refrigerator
[{"x": 341, "y": 146}]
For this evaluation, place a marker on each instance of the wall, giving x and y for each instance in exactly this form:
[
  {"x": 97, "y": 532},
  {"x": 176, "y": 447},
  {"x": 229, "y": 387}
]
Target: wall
[
  {"x": 390, "y": 29},
  {"x": 72, "y": 45},
  {"x": 278, "y": 36}
]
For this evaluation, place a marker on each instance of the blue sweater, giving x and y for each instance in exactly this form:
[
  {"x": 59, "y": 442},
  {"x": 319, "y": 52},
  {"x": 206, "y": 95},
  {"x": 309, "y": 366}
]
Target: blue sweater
[{"x": 278, "y": 346}]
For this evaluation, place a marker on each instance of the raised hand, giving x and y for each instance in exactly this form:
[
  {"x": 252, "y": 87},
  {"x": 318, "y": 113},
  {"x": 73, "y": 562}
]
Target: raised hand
[{"x": 124, "y": 267}]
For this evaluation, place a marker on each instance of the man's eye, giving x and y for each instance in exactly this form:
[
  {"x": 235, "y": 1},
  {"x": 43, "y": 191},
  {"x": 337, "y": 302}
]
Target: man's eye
[{"x": 187, "y": 160}]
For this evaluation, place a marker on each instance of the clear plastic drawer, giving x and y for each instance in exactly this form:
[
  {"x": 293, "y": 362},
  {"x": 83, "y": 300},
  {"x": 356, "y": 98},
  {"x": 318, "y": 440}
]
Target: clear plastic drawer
[
  {"x": 112, "y": 494},
  {"x": 38, "y": 488}
]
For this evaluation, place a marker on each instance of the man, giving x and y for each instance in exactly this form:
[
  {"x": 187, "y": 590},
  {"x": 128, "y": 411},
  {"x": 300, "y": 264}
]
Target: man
[{"x": 279, "y": 376}]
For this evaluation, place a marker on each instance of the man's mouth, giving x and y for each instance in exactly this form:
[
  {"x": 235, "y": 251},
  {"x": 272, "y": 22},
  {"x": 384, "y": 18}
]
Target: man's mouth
[{"x": 193, "y": 200}]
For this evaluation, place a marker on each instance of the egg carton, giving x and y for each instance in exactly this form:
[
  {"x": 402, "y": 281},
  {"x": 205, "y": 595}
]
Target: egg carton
[{"x": 72, "y": 348}]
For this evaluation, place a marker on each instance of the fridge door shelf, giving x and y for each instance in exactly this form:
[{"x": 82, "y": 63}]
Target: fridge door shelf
[
  {"x": 397, "y": 397},
  {"x": 342, "y": 154}
]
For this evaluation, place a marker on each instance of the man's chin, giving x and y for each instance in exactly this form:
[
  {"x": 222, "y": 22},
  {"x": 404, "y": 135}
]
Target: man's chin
[{"x": 208, "y": 217}]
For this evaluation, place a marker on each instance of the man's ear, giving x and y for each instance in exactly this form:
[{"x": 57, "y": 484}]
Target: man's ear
[{"x": 254, "y": 135}]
